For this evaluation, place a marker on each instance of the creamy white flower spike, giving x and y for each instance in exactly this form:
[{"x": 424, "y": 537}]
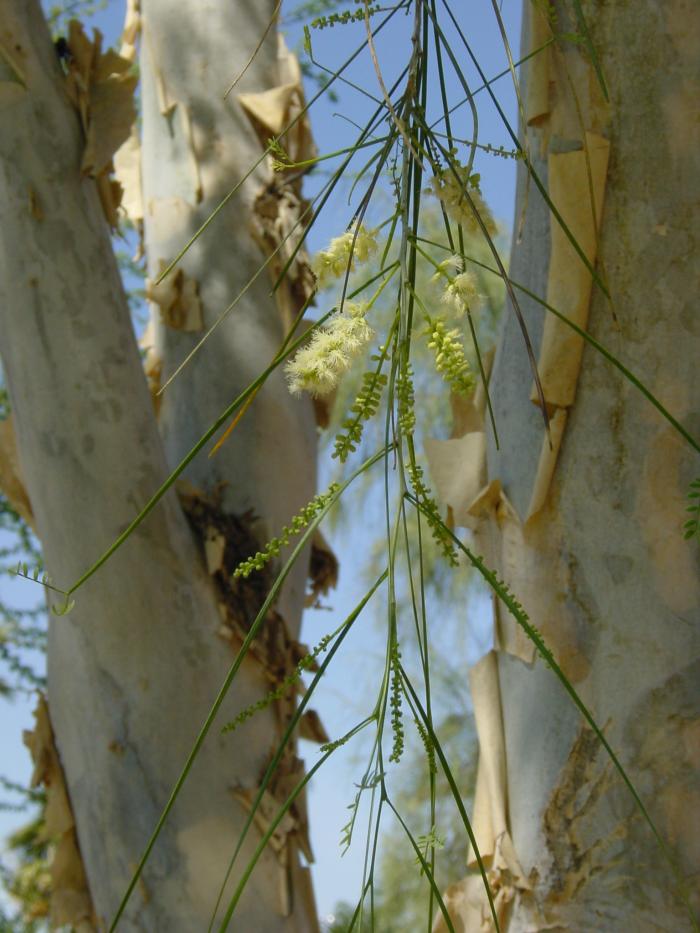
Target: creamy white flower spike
[
  {"x": 451, "y": 185},
  {"x": 460, "y": 293},
  {"x": 333, "y": 262},
  {"x": 318, "y": 367}
]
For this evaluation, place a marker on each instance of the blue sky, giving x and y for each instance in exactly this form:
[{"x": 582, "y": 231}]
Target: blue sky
[{"x": 332, "y": 791}]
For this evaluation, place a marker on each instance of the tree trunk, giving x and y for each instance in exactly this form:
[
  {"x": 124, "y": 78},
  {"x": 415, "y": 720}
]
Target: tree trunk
[
  {"x": 134, "y": 668},
  {"x": 591, "y": 541}
]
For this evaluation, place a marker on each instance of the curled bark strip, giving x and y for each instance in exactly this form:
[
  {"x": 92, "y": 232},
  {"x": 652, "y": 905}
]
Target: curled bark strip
[
  {"x": 70, "y": 902},
  {"x": 11, "y": 482}
]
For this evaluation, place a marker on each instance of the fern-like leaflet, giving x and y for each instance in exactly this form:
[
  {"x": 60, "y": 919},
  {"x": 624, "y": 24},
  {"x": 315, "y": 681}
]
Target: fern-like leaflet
[
  {"x": 429, "y": 507},
  {"x": 395, "y": 703},
  {"x": 305, "y": 664},
  {"x": 691, "y": 528},
  {"x": 364, "y": 407},
  {"x": 43, "y": 579}
]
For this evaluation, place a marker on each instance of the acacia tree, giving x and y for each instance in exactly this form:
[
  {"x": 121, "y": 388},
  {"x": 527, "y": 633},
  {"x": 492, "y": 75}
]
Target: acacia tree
[
  {"x": 134, "y": 668},
  {"x": 556, "y": 830}
]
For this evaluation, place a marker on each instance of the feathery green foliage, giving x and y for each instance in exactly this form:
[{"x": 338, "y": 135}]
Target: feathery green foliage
[{"x": 691, "y": 529}]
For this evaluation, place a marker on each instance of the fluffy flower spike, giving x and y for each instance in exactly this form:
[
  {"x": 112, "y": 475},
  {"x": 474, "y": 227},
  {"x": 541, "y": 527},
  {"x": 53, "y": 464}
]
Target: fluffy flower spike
[
  {"x": 318, "y": 367},
  {"x": 452, "y": 185},
  {"x": 460, "y": 293},
  {"x": 333, "y": 262}
]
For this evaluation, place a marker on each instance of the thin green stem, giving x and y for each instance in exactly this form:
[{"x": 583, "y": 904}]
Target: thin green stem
[{"x": 307, "y": 163}]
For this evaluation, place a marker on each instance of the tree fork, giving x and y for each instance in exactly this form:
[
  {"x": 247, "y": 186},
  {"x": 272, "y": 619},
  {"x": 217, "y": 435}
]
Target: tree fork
[{"x": 132, "y": 671}]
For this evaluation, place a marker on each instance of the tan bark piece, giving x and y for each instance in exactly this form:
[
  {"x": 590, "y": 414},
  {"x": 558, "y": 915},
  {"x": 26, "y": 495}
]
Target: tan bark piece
[
  {"x": 468, "y": 907},
  {"x": 570, "y": 283},
  {"x": 485, "y": 501},
  {"x": 272, "y": 110},
  {"x": 458, "y": 471},
  {"x": 267, "y": 110},
  {"x": 277, "y": 224},
  {"x": 288, "y": 63},
  {"x": 103, "y": 92},
  {"x": 131, "y": 30},
  {"x": 10, "y": 476},
  {"x": 538, "y": 585},
  {"x": 264, "y": 816},
  {"x": 292, "y": 831},
  {"x": 127, "y": 169},
  {"x": 490, "y": 821},
  {"x": 458, "y": 465},
  {"x": 177, "y": 296},
  {"x": 323, "y": 569},
  {"x": 489, "y": 817},
  {"x": 214, "y": 548},
  {"x": 508, "y": 635},
  {"x": 108, "y": 65},
  {"x": 110, "y": 192},
  {"x": 289, "y": 772},
  {"x": 83, "y": 55},
  {"x": 70, "y": 898},
  {"x": 467, "y": 413},
  {"x": 466, "y": 901},
  {"x": 547, "y": 462},
  {"x": 537, "y": 93},
  {"x": 311, "y": 728},
  {"x": 152, "y": 363}
]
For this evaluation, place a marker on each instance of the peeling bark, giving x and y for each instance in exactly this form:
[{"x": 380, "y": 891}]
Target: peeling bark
[
  {"x": 196, "y": 146},
  {"x": 599, "y": 562},
  {"x": 133, "y": 670},
  {"x": 70, "y": 901}
]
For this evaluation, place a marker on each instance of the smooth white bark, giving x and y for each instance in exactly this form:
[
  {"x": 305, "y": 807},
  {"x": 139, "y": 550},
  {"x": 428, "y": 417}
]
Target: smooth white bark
[
  {"x": 190, "y": 60},
  {"x": 614, "y": 587},
  {"x": 135, "y": 667}
]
